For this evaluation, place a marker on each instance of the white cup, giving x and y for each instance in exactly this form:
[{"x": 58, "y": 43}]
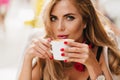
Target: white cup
[{"x": 57, "y": 45}]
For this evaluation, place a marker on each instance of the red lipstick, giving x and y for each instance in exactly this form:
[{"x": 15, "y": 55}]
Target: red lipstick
[{"x": 62, "y": 36}]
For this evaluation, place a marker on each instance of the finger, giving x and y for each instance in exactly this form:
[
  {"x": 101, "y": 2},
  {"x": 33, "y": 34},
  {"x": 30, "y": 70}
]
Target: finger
[
  {"x": 76, "y": 55},
  {"x": 76, "y": 44},
  {"x": 76, "y": 60},
  {"x": 38, "y": 54},
  {"x": 45, "y": 48},
  {"x": 46, "y": 42},
  {"x": 42, "y": 52},
  {"x": 49, "y": 54},
  {"x": 76, "y": 50},
  {"x": 31, "y": 50},
  {"x": 43, "y": 44}
]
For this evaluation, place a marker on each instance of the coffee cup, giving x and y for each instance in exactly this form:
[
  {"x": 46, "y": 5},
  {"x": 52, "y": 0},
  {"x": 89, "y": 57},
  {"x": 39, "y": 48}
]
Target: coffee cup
[{"x": 56, "y": 46}]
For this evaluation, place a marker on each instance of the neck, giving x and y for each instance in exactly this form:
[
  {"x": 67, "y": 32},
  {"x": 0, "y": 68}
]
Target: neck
[{"x": 80, "y": 39}]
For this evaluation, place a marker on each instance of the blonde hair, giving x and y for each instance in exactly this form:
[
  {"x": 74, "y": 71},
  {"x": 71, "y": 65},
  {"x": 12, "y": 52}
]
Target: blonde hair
[{"x": 94, "y": 32}]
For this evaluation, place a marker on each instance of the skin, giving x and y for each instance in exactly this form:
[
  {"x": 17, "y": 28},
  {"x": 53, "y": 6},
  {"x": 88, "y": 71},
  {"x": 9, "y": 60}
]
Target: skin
[{"x": 65, "y": 20}]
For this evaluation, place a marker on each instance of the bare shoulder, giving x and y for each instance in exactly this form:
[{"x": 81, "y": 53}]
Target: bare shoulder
[{"x": 104, "y": 66}]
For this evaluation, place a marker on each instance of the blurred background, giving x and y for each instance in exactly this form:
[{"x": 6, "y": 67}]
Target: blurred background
[{"x": 18, "y": 18}]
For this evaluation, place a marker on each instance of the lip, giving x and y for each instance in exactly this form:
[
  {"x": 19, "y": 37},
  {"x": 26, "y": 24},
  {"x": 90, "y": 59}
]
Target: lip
[{"x": 62, "y": 36}]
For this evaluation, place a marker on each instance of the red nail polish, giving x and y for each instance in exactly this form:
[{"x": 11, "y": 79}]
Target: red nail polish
[
  {"x": 65, "y": 61},
  {"x": 62, "y": 54},
  {"x": 65, "y": 42},
  {"x": 51, "y": 58},
  {"x": 62, "y": 49}
]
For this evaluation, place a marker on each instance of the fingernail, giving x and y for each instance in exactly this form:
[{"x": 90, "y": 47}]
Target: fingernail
[
  {"x": 62, "y": 54},
  {"x": 51, "y": 58},
  {"x": 65, "y": 42},
  {"x": 62, "y": 49},
  {"x": 65, "y": 61}
]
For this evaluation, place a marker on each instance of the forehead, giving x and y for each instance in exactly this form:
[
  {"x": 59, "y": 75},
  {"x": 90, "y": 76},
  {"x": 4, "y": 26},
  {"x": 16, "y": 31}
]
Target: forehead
[{"x": 65, "y": 6}]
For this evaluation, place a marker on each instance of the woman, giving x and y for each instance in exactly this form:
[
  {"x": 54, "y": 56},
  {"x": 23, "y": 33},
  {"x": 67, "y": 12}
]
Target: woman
[{"x": 94, "y": 55}]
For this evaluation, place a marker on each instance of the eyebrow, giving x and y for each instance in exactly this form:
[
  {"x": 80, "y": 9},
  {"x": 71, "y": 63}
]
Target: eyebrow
[
  {"x": 69, "y": 14},
  {"x": 64, "y": 15}
]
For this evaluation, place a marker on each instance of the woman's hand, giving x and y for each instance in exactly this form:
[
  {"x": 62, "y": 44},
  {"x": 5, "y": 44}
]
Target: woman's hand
[
  {"x": 79, "y": 52},
  {"x": 39, "y": 48}
]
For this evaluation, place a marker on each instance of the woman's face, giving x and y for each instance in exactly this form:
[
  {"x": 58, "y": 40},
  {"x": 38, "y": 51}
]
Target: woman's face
[{"x": 66, "y": 21}]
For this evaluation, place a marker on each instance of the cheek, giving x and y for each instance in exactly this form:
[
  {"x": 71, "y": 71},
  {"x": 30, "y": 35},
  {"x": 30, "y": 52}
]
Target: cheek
[
  {"x": 53, "y": 28},
  {"x": 76, "y": 32},
  {"x": 77, "y": 29},
  {"x": 76, "y": 26}
]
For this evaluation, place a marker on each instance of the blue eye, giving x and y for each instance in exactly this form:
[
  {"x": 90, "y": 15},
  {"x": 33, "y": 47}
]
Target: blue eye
[
  {"x": 70, "y": 18},
  {"x": 53, "y": 18}
]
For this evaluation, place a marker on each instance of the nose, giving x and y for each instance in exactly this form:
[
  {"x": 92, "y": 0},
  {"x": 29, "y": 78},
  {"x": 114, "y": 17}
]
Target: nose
[{"x": 61, "y": 26}]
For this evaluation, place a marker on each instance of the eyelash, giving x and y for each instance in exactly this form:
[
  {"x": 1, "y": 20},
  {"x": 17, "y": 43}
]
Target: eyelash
[
  {"x": 70, "y": 18},
  {"x": 53, "y": 18}
]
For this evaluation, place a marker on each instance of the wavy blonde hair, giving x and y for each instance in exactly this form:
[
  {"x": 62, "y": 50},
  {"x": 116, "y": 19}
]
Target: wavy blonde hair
[{"x": 94, "y": 32}]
